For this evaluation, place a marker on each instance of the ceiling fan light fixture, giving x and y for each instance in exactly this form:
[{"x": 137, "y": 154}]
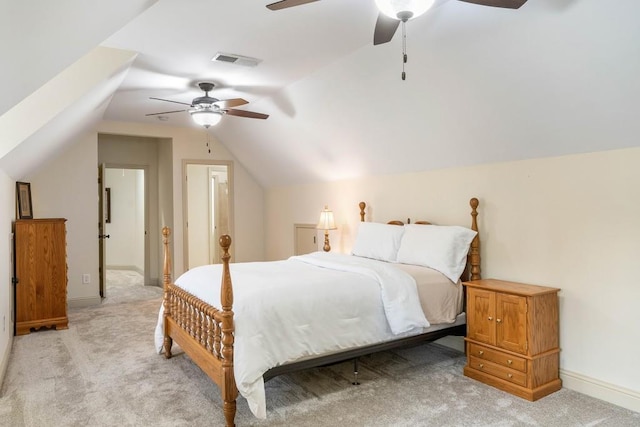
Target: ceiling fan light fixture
[
  {"x": 404, "y": 9},
  {"x": 206, "y": 117}
]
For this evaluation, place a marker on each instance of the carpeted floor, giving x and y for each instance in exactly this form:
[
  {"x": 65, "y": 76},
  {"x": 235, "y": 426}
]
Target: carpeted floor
[{"x": 103, "y": 371}]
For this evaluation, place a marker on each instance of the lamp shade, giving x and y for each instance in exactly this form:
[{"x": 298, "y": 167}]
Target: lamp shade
[
  {"x": 326, "y": 221},
  {"x": 397, "y": 9},
  {"x": 206, "y": 117}
]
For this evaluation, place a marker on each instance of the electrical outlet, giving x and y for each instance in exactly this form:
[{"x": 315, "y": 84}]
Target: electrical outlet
[{"x": 86, "y": 278}]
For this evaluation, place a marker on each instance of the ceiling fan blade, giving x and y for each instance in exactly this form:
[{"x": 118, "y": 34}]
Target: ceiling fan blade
[
  {"x": 165, "y": 112},
  {"x": 168, "y": 100},
  {"x": 227, "y": 103},
  {"x": 248, "y": 114},
  {"x": 287, "y": 3},
  {"x": 509, "y": 4},
  {"x": 385, "y": 29}
]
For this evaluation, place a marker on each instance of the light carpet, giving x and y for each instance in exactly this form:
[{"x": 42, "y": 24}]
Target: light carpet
[{"x": 103, "y": 371}]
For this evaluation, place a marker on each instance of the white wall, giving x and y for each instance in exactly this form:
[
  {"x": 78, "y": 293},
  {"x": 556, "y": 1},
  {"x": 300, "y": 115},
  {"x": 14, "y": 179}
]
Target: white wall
[
  {"x": 7, "y": 215},
  {"x": 67, "y": 187},
  {"x": 569, "y": 222},
  {"x": 125, "y": 245}
]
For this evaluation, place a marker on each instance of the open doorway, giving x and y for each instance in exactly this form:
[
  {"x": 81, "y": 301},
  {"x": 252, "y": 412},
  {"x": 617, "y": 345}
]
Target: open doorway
[
  {"x": 124, "y": 249},
  {"x": 208, "y": 194}
]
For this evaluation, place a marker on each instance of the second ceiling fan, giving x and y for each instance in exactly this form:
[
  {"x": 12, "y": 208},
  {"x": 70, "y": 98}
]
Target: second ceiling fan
[
  {"x": 392, "y": 12},
  {"x": 207, "y": 110}
]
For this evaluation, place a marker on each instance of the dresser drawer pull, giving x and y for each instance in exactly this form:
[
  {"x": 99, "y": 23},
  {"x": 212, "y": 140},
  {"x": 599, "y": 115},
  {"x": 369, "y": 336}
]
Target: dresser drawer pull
[
  {"x": 481, "y": 352},
  {"x": 509, "y": 361},
  {"x": 481, "y": 366},
  {"x": 490, "y": 318},
  {"x": 499, "y": 320},
  {"x": 510, "y": 375}
]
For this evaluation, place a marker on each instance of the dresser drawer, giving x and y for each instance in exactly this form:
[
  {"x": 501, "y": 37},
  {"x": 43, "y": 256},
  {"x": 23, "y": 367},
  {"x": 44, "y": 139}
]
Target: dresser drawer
[
  {"x": 498, "y": 357},
  {"x": 498, "y": 371}
]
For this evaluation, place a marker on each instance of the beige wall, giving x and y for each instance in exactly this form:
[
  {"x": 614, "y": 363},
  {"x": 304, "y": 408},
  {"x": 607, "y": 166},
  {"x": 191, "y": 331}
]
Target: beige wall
[
  {"x": 7, "y": 215},
  {"x": 189, "y": 143},
  {"x": 569, "y": 222},
  {"x": 67, "y": 187}
]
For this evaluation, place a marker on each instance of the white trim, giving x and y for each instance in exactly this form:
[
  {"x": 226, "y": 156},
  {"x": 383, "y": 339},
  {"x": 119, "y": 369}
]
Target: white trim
[
  {"x": 5, "y": 360},
  {"x": 611, "y": 393},
  {"x": 125, "y": 267},
  {"x": 84, "y": 302}
]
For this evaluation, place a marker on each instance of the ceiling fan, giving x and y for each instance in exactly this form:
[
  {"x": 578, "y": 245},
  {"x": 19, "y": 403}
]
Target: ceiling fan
[
  {"x": 208, "y": 111},
  {"x": 392, "y": 12}
]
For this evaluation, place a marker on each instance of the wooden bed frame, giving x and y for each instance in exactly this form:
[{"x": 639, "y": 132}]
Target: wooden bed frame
[{"x": 206, "y": 333}]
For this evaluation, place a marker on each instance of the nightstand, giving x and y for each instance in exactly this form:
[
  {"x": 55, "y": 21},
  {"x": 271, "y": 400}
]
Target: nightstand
[{"x": 512, "y": 337}]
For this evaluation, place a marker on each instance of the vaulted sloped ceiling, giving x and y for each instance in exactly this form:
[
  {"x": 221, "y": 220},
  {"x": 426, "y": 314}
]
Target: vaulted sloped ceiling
[
  {"x": 56, "y": 81},
  {"x": 483, "y": 84}
]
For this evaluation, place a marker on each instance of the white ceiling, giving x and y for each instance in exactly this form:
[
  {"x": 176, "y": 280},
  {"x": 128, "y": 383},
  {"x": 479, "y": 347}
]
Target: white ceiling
[{"x": 483, "y": 84}]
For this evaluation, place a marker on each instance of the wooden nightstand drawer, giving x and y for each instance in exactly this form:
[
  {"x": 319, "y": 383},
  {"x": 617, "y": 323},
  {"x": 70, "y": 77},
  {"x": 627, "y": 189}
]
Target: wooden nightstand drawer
[
  {"x": 498, "y": 371},
  {"x": 500, "y": 358}
]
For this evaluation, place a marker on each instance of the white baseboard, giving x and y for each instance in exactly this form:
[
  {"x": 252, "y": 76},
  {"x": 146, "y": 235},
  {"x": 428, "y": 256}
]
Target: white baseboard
[
  {"x": 4, "y": 362},
  {"x": 154, "y": 282},
  {"x": 616, "y": 395},
  {"x": 84, "y": 302},
  {"x": 125, "y": 267}
]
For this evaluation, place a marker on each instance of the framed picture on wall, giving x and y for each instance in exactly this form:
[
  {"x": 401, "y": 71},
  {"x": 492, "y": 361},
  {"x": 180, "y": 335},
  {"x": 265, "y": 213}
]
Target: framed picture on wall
[{"x": 23, "y": 191}]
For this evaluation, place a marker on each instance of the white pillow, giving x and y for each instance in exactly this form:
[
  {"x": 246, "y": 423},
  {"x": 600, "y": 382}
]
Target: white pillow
[
  {"x": 378, "y": 241},
  {"x": 443, "y": 248}
]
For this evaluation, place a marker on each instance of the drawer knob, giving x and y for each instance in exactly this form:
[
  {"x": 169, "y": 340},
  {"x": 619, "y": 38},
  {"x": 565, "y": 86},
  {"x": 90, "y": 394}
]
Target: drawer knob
[
  {"x": 481, "y": 365},
  {"x": 481, "y": 352},
  {"x": 490, "y": 318},
  {"x": 499, "y": 320},
  {"x": 510, "y": 375},
  {"x": 509, "y": 361}
]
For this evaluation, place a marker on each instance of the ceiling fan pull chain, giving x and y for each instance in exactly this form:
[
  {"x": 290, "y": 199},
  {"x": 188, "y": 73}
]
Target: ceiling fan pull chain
[
  {"x": 208, "y": 142},
  {"x": 404, "y": 50}
]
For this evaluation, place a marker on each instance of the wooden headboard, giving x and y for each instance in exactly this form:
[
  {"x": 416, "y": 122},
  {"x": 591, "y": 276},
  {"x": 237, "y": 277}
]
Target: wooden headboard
[{"x": 472, "y": 270}]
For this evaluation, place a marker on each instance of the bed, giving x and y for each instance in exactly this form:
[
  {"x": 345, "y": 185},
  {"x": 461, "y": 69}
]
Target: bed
[{"x": 319, "y": 308}]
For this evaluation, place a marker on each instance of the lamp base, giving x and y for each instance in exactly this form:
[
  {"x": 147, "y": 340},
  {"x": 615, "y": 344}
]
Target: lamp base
[{"x": 326, "y": 246}]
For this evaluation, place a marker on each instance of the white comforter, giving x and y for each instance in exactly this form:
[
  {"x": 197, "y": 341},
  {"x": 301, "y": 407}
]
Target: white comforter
[{"x": 307, "y": 305}]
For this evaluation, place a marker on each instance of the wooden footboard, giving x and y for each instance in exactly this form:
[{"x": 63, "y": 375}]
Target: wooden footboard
[{"x": 205, "y": 333}]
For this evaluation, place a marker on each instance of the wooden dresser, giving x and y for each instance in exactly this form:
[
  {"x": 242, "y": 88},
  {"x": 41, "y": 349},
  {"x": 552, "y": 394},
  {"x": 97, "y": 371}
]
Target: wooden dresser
[
  {"x": 41, "y": 274},
  {"x": 512, "y": 337}
]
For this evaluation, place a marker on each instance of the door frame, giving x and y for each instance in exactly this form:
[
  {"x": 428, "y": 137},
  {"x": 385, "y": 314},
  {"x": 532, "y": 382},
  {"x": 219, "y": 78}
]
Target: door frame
[
  {"x": 185, "y": 202},
  {"x": 102, "y": 244}
]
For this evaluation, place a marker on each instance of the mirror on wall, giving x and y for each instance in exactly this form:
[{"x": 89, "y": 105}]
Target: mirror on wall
[{"x": 208, "y": 214}]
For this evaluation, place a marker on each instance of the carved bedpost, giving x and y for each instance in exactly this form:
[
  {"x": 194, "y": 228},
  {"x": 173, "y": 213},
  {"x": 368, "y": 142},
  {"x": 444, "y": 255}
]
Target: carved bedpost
[
  {"x": 229, "y": 389},
  {"x": 362, "y": 206},
  {"x": 166, "y": 281},
  {"x": 474, "y": 251}
]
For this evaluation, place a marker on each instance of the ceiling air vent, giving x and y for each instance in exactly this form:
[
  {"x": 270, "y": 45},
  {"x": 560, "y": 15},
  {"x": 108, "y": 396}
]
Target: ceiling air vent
[{"x": 231, "y": 58}]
